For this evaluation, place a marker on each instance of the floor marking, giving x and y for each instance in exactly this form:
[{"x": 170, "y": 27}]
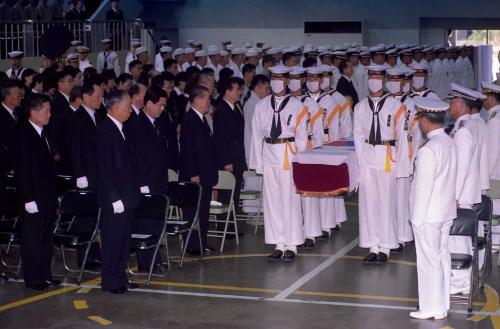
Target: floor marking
[
  {"x": 207, "y": 286},
  {"x": 358, "y": 296},
  {"x": 99, "y": 320},
  {"x": 315, "y": 271},
  {"x": 491, "y": 305},
  {"x": 83, "y": 291},
  {"x": 80, "y": 304}
]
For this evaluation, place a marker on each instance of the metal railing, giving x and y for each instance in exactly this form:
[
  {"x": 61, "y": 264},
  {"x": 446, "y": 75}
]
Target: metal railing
[{"x": 25, "y": 36}]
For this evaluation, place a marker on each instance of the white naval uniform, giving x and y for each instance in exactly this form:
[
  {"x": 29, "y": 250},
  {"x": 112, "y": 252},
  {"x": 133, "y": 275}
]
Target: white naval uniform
[
  {"x": 131, "y": 56},
  {"x": 18, "y": 72},
  {"x": 377, "y": 179},
  {"x": 236, "y": 70},
  {"x": 336, "y": 76},
  {"x": 85, "y": 64},
  {"x": 111, "y": 58},
  {"x": 159, "y": 63},
  {"x": 468, "y": 190},
  {"x": 187, "y": 65},
  {"x": 433, "y": 208},
  {"x": 438, "y": 80},
  {"x": 493, "y": 124},
  {"x": 282, "y": 208},
  {"x": 410, "y": 141}
]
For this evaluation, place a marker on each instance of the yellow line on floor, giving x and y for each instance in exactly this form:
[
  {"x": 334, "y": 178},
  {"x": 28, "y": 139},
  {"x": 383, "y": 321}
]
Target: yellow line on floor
[
  {"x": 99, "y": 320},
  {"x": 208, "y": 286},
  {"x": 357, "y": 296},
  {"x": 491, "y": 305},
  {"x": 80, "y": 304},
  {"x": 83, "y": 290},
  {"x": 42, "y": 296}
]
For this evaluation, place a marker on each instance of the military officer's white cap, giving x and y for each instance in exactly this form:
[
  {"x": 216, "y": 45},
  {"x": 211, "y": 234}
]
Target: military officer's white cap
[
  {"x": 105, "y": 41},
  {"x": 314, "y": 70},
  {"x": 16, "y": 54},
  {"x": 178, "y": 51},
  {"x": 376, "y": 69},
  {"x": 430, "y": 105},
  {"x": 419, "y": 66},
  {"x": 76, "y": 43},
  {"x": 83, "y": 49},
  {"x": 73, "y": 57},
  {"x": 238, "y": 51},
  {"x": 165, "y": 49},
  {"x": 490, "y": 88},
  {"x": 188, "y": 50},
  {"x": 458, "y": 91},
  {"x": 273, "y": 51},
  {"x": 200, "y": 53},
  {"x": 251, "y": 52},
  {"x": 297, "y": 70},
  {"x": 280, "y": 69},
  {"x": 141, "y": 50},
  {"x": 136, "y": 43},
  {"x": 396, "y": 72}
]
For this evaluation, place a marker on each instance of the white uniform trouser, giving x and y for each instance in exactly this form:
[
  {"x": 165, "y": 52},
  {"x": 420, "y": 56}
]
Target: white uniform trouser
[
  {"x": 433, "y": 266},
  {"x": 495, "y": 238},
  {"x": 403, "y": 224},
  {"x": 377, "y": 210},
  {"x": 252, "y": 183},
  {"x": 312, "y": 220},
  {"x": 282, "y": 209},
  {"x": 339, "y": 208},
  {"x": 327, "y": 213}
]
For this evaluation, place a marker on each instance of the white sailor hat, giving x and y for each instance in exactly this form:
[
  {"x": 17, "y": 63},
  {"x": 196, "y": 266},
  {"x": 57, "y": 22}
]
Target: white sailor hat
[
  {"x": 229, "y": 46},
  {"x": 364, "y": 54},
  {"x": 310, "y": 50},
  {"x": 251, "y": 52},
  {"x": 200, "y": 53},
  {"x": 165, "y": 49},
  {"x": 224, "y": 53},
  {"x": 377, "y": 49},
  {"x": 178, "y": 51},
  {"x": 392, "y": 52},
  {"x": 419, "y": 67},
  {"x": 165, "y": 41},
  {"x": 212, "y": 47},
  {"x": 212, "y": 50},
  {"x": 297, "y": 70},
  {"x": 238, "y": 51},
  {"x": 16, "y": 54},
  {"x": 288, "y": 50},
  {"x": 73, "y": 57},
  {"x": 364, "y": 48},
  {"x": 409, "y": 73},
  {"x": 314, "y": 70},
  {"x": 196, "y": 43},
  {"x": 75, "y": 43},
  {"x": 266, "y": 46},
  {"x": 376, "y": 69},
  {"x": 428, "y": 50},
  {"x": 247, "y": 44},
  {"x": 82, "y": 49},
  {"x": 395, "y": 73},
  {"x": 326, "y": 68},
  {"x": 489, "y": 88},
  {"x": 418, "y": 49},
  {"x": 273, "y": 51},
  {"x": 402, "y": 46},
  {"x": 141, "y": 50},
  {"x": 322, "y": 49},
  {"x": 188, "y": 50},
  {"x": 325, "y": 53},
  {"x": 135, "y": 43},
  {"x": 430, "y": 105},
  {"x": 190, "y": 41},
  {"x": 406, "y": 51},
  {"x": 339, "y": 54},
  {"x": 458, "y": 91},
  {"x": 106, "y": 41},
  {"x": 353, "y": 51},
  {"x": 280, "y": 70}
]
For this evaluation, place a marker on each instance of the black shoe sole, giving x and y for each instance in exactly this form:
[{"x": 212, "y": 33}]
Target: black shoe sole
[{"x": 274, "y": 260}]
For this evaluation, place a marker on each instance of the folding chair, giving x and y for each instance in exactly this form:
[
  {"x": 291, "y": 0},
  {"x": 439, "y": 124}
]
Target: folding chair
[
  {"x": 185, "y": 195},
  {"x": 252, "y": 195},
  {"x": 64, "y": 184},
  {"x": 10, "y": 228},
  {"x": 466, "y": 224},
  {"x": 484, "y": 211},
  {"x": 77, "y": 225},
  {"x": 152, "y": 207},
  {"x": 494, "y": 194},
  {"x": 173, "y": 177}
]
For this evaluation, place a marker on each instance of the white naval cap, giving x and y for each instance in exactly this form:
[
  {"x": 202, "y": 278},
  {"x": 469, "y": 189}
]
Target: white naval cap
[
  {"x": 141, "y": 50},
  {"x": 200, "y": 53},
  {"x": 73, "y": 57},
  {"x": 326, "y": 68},
  {"x": 16, "y": 54},
  {"x": 419, "y": 67},
  {"x": 212, "y": 49},
  {"x": 280, "y": 69},
  {"x": 251, "y": 52},
  {"x": 310, "y": 50},
  {"x": 322, "y": 49},
  {"x": 178, "y": 51},
  {"x": 165, "y": 42},
  {"x": 76, "y": 43},
  {"x": 395, "y": 72},
  {"x": 409, "y": 73},
  {"x": 430, "y": 105},
  {"x": 224, "y": 53},
  {"x": 188, "y": 50},
  {"x": 165, "y": 49},
  {"x": 106, "y": 41},
  {"x": 190, "y": 41},
  {"x": 392, "y": 52},
  {"x": 83, "y": 49},
  {"x": 266, "y": 46},
  {"x": 458, "y": 91},
  {"x": 314, "y": 70},
  {"x": 273, "y": 51},
  {"x": 196, "y": 43},
  {"x": 135, "y": 43},
  {"x": 238, "y": 51},
  {"x": 489, "y": 88},
  {"x": 247, "y": 44},
  {"x": 428, "y": 50},
  {"x": 297, "y": 70},
  {"x": 379, "y": 49},
  {"x": 376, "y": 69}
]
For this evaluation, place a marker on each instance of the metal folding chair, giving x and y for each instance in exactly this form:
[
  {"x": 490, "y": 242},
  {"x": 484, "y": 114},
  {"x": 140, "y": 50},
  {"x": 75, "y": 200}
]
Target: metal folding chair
[
  {"x": 10, "y": 229},
  {"x": 494, "y": 194},
  {"x": 484, "y": 212},
  {"x": 254, "y": 218}
]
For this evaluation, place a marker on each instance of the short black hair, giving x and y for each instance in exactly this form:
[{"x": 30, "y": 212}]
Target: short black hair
[
  {"x": 107, "y": 75},
  {"x": 62, "y": 74},
  {"x": 287, "y": 56},
  {"x": 124, "y": 77},
  {"x": 247, "y": 68},
  {"x": 49, "y": 82},
  {"x": 227, "y": 84},
  {"x": 197, "y": 92},
  {"x": 168, "y": 76},
  {"x": 158, "y": 81},
  {"x": 88, "y": 73},
  {"x": 268, "y": 58},
  {"x": 134, "y": 63},
  {"x": 343, "y": 65},
  {"x": 134, "y": 89},
  {"x": 181, "y": 77},
  {"x": 434, "y": 117},
  {"x": 147, "y": 67},
  {"x": 35, "y": 101},
  {"x": 258, "y": 80},
  {"x": 169, "y": 62},
  {"x": 73, "y": 71},
  {"x": 309, "y": 62},
  {"x": 225, "y": 73},
  {"x": 75, "y": 93},
  {"x": 192, "y": 70},
  {"x": 88, "y": 86},
  {"x": 154, "y": 94},
  {"x": 6, "y": 87},
  {"x": 27, "y": 73},
  {"x": 207, "y": 70}
]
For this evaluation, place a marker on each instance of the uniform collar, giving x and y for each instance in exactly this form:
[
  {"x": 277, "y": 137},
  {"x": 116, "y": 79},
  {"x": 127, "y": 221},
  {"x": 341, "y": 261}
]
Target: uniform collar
[{"x": 435, "y": 132}]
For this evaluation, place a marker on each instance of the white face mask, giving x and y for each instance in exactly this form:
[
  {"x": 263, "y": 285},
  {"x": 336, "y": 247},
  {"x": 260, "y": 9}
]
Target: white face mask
[
  {"x": 406, "y": 87},
  {"x": 277, "y": 86},
  {"x": 418, "y": 82},
  {"x": 393, "y": 87},
  {"x": 312, "y": 86},
  {"x": 375, "y": 85},
  {"x": 294, "y": 85},
  {"x": 325, "y": 83}
]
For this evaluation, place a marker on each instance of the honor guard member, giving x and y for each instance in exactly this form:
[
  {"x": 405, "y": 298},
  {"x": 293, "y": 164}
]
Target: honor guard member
[
  {"x": 468, "y": 185},
  {"x": 107, "y": 59},
  {"x": 409, "y": 142},
  {"x": 201, "y": 59},
  {"x": 73, "y": 60},
  {"x": 188, "y": 58},
  {"x": 482, "y": 127},
  {"x": 164, "y": 54},
  {"x": 83, "y": 52},
  {"x": 17, "y": 68},
  {"x": 419, "y": 80},
  {"x": 376, "y": 122},
  {"x": 275, "y": 139},
  {"x": 178, "y": 55},
  {"x": 433, "y": 205},
  {"x": 131, "y": 56},
  {"x": 237, "y": 61}
]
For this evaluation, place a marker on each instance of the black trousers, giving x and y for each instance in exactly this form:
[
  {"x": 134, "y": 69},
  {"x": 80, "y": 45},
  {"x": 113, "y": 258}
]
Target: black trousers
[
  {"x": 115, "y": 247},
  {"x": 204, "y": 213},
  {"x": 36, "y": 246},
  {"x": 151, "y": 227}
]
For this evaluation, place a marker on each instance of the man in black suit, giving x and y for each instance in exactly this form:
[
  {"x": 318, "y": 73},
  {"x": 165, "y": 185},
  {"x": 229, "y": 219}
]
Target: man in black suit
[
  {"x": 115, "y": 13},
  {"x": 136, "y": 93},
  {"x": 117, "y": 191},
  {"x": 229, "y": 126},
  {"x": 11, "y": 99},
  {"x": 169, "y": 127},
  {"x": 345, "y": 86},
  {"x": 58, "y": 127},
  {"x": 197, "y": 162},
  {"x": 151, "y": 152},
  {"x": 37, "y": 194}
]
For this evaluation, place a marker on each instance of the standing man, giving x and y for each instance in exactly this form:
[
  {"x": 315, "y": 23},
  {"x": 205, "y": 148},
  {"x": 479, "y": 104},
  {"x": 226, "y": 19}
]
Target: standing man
[
  {"x": 418, "y": 83},
  {"x": 345, "y": 85},
  {"x": 17, "y": 68},
  {"x": 115, "y": 13},
  {"x": 117, "y": 190},
  {"x": 197, "y": 161},
  {"x": 37, "y": 192},
  {"x": 433, "y": 205},
  {"x": 376, "y": 119},
  {"x": 107, "y": 59},
  {"x": 11, "y": 99},
  {"x": 275, "y": 139}
]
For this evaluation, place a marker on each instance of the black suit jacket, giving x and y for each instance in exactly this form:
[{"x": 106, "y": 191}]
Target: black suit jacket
[
  {"x": 131, "y": 118},
  {"x": 58, "y": 130},
  {"x": 346, "y": 88},
  {"x": 8, "y": 140},
  {"x": 83, "y": 146},
  {"x": 169, "y": 128},
  {"x": 35, "y": 173},
  {"x": 197, "y": 151},
  {"x": 111, "y": 15},
  {"x": 176, "y": 106},
  {"x": 229, "y": 128},
  {"x": 116, "y": 176},
  {"x": 151, "y": 152}
]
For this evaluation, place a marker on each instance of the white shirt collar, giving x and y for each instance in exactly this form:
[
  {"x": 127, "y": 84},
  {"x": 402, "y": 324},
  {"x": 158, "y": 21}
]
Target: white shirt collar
[
  {"x": 90, "y": 112},
  {"x": 72, "y": 107},
  {"x": 11, "y": 111},
  {"x": 65, "y": 96},
  {"x": 345, "y": 76},
  {"x": 34, "y": 91},
  {"x": 118, "y": 124},
  {"x": 230, "y": 105},
  {"x": 464, "y": 117},
  {"x": 136, "y": 110},
  {"x": 199, "y": 114},
  {"x": 37, "y": 128},
  {"x": 177, "y": 91},
  {"x": 150, "y": 118},
  {"x": 475, "y": 115}
]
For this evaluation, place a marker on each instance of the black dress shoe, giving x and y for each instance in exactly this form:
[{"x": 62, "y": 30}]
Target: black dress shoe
[
  {"x": 370, "y": 259},
  {"x": 308, "y": 244},
  {"x": 38, "y": 286},
  {"x": 336, "y": 229},
  {"x": 193, "y": 252},
  {"x": 53, "y": 282},
  {"x": 324, "y": 236},
  {"x": 381, "y": 258},
  {"x": 130, "y": 286},
  {"x": 397, "y": 250},
  {"x": 288, "y": 256},
  {"x": 92, "y": 266},
  {"x": 275, "y": 256},
  {"x": 119, "y": 291}
]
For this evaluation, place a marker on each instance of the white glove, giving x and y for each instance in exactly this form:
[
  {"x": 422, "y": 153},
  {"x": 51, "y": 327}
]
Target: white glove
[
  {"x": 31, "y": 207},
  {"x": 145, "y": 189},
  {"x": 118, "y": 207},
  {"x": 82, "y": 182}
]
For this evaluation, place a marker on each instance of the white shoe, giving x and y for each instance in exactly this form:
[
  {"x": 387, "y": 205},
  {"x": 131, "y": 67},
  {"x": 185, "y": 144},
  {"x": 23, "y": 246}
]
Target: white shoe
[{"x": 422, "y": 315}]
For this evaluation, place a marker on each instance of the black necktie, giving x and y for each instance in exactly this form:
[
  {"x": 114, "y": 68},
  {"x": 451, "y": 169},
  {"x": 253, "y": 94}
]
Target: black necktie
[
  {"x": 207, "y": 125},
  {"x": 157, "y": 126},
  {"x": 375, "y": 137},
  {"x": 246, "y": 97},
  {"x": 276, "y": 126},
  {"x": 105, "y": 61},
  {"x": 45, "y": 140}
]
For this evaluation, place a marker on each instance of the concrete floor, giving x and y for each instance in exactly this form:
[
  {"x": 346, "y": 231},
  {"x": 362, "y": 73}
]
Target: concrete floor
[{"x": 325, "y": 288}]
